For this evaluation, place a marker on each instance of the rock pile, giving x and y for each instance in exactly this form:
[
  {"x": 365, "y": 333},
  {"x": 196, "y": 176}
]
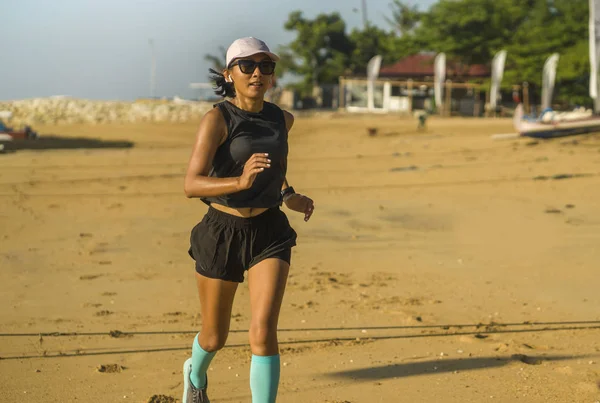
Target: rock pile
[{"x": 62, "y": 110}]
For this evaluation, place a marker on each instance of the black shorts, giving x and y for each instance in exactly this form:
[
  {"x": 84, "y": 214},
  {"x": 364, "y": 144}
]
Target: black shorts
[{"x": 225, "y": 246}]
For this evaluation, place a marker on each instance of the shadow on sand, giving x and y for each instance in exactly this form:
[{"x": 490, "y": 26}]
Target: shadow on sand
[
  {"x": 53, "y": 142},
  {"x": 443, "y": 366}
]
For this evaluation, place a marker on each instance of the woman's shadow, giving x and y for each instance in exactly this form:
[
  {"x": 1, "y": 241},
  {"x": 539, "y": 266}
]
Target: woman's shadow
[{"x": 443, "y": 365}]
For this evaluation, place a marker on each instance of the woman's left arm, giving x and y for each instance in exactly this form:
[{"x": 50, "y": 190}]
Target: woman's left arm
[{"x": 296, "y": 201}]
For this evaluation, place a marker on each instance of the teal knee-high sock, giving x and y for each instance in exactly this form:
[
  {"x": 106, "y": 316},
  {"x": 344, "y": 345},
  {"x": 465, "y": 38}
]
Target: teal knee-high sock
[
  {"x": 264, "y": 378},
  {"x": 200, "y": 361}
]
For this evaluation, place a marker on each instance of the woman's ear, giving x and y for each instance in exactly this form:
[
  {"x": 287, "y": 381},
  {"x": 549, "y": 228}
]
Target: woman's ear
[{"x": 227, "y": 76}]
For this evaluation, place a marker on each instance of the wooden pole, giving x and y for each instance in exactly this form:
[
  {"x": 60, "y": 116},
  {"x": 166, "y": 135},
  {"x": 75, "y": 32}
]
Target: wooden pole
[
  {"x": 477, "y": 106},
  {"x": 410, "y": 96},
  {"x": 526, "y": 97},
  {"x": 448, "y": 102},
  {"x": 341, "y": 94}
]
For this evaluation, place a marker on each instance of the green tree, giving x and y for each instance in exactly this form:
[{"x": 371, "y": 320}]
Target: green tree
[
  {"x": 321, "y": 51},
  {"x": 404, "y": 18},
  {"x": 573, "y": 76},
  {"x": 367, "y": 43},
  {"x": 471, "y": 31},
  {"x": 552, "y": 26}
]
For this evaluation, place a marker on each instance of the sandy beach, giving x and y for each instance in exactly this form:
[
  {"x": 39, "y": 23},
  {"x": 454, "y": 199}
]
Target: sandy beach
[{"x": 439, "y": 266}]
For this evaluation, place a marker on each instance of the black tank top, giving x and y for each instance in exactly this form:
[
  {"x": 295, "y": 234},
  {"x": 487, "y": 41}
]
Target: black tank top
[{"x": 249, "y": 133}]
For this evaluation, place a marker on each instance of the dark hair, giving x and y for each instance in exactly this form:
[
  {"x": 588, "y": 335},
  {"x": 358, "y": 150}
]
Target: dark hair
[{"x": 221, "y": 87}]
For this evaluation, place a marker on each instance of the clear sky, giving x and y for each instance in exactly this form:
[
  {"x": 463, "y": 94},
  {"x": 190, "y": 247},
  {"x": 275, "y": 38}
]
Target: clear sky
[{"x": 99, "y": 49}]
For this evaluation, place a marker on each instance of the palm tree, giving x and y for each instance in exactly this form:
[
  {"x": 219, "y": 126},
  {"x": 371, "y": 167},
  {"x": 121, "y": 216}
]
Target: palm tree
[
  {"x": 405, "y": 18},
  {"x": 217, "y": 62}
]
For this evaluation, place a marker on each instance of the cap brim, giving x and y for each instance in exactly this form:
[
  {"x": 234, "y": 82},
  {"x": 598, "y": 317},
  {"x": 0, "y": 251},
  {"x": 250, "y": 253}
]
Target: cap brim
[{"x": 271, "y": 55}]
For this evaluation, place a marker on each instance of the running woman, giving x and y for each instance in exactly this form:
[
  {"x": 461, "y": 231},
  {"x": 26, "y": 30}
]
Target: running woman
[{"x": 238, "y": 167}]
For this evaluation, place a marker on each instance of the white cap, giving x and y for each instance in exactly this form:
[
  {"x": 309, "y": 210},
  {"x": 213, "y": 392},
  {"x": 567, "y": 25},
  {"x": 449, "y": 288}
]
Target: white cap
[{"x": 245, "y": 47}]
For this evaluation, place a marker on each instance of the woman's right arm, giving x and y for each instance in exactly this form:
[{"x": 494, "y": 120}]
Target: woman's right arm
[{"x": 211, "y": 133}]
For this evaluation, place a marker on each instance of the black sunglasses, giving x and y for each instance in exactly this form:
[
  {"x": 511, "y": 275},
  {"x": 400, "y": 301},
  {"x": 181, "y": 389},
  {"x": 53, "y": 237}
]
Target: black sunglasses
[{"x": 266, "y": 67}]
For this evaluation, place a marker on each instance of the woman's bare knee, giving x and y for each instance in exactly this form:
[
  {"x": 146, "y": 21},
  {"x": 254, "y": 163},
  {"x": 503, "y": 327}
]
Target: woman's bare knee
[
  {"x": 212, "y": 341},
  {"x": 262, "y": 338}
]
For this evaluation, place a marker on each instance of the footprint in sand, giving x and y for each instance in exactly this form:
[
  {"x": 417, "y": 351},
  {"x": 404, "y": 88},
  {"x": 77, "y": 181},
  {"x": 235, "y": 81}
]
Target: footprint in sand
[
  {"x": 306, "y": 305},
  {"x": 553, "y": 211},
  {"x": 502, "y": 347},
  {"x": 103, "y": 313},
  {"x": 527, "y": 359},
  {"x": 395, "y": 300},
  {"x": 383, "y": 279},
  {"x": 117, "y": 334},
  {"x": 90, "y": 276},
  {"x": 326, "y": 277},
  {"x": 110, "y": 368},
  {"x": 161, "y": 399},
  {"x": 100, "y": 247},
  {"x": 174, "y": 315},
  {"x": 322, "y": 280}
]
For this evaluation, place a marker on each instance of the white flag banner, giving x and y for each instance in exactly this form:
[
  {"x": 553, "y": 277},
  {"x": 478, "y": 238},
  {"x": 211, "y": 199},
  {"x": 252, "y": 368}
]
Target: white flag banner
[
  {"x": 548, "y": 79},
  {"x": 439, "y": 79},
  {"x": 372, "y": 73},
  {"x": 594, "y": 52},
  {"x": 497, "y": 74}
]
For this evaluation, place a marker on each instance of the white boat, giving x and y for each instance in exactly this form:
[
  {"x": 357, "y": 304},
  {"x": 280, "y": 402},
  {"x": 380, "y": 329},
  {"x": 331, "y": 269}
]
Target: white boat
[{"x": 556, "y": 124}]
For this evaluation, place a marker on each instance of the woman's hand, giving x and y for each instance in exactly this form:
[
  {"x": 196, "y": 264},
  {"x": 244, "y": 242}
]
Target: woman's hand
[
  {"x": 255, "y": 165},
  {"x": 301, "y": 204}
]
